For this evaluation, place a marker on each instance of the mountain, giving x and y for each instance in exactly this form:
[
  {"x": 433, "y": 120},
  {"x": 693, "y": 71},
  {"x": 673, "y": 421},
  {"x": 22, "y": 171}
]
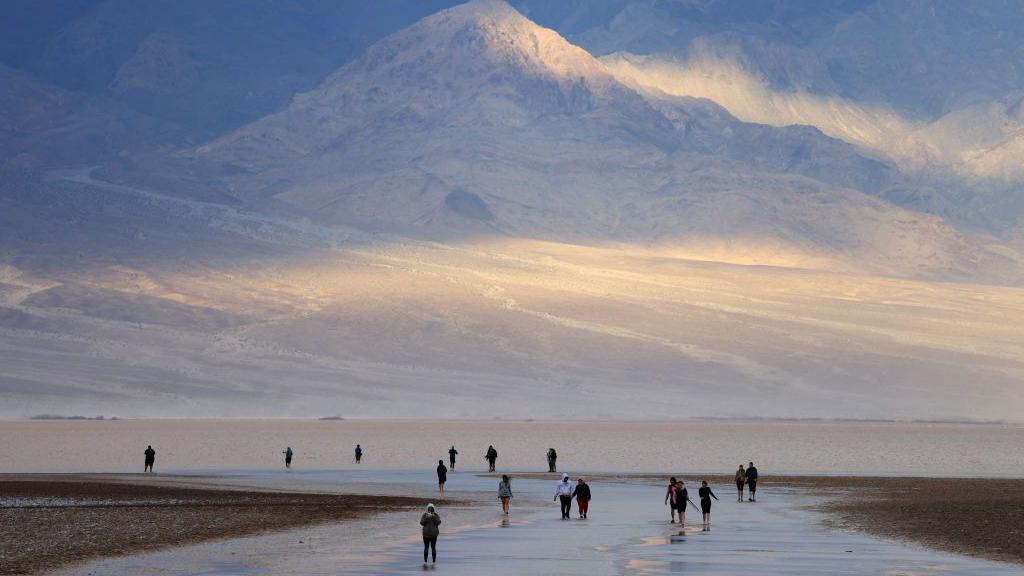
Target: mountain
[
  {"x": 477, "y": 121},
  {"x": 475, "y": 211},
  {"x": 890, "y": 77}
]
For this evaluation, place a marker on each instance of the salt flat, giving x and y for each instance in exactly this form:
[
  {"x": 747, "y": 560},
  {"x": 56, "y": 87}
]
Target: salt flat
[{"x": 627, "y": 533}]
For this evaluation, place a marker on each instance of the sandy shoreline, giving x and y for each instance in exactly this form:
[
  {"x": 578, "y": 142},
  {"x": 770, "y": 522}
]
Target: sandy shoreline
[{"x": 51, "y": 521}]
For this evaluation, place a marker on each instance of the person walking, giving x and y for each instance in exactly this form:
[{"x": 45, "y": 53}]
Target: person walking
[
  {"x": 359, "y": 454},
  {"x": 442, "y": 475},
  {"x": 751, "y": 475},
  {"x": 288, "y": 457},
  {"x": 452, "y": 452},
  {"x": 670, "y": 498},
  {"x": 682, "y": 497},
  {"x": 491, "y": 457},
  {"x": 150, "y": 459},
  {"x": 552, "y": 457},
  {"x": 741, "y": 478},
  {"x": 706, "y": 495},
  {"x": 505, "y": 493},
  {"x": 563, "y": 492},
  {"x": 582, "y": 494},
  {"x": 430, "y": 522}
]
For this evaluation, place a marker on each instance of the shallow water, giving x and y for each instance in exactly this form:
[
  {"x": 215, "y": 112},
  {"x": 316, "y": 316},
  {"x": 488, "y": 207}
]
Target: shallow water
[
  {"x": 627, "y": 533},
  {"x": 776, "y": 447}
]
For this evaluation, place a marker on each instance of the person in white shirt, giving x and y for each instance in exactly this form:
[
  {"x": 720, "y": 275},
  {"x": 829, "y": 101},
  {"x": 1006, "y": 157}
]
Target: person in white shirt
[{"x": 563, "y": 492}]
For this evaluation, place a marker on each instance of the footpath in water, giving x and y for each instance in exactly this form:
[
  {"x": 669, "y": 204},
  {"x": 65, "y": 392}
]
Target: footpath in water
[{"x": 627, "y": 533}]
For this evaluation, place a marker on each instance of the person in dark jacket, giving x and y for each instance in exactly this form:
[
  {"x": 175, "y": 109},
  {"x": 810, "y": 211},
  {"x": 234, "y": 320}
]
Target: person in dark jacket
[
  {"x": 452, "y": 453},
  {"x": 442, "y": 475},
  {"x": 706, "y": 495},
  {"x": 430, "y": 522},
  {"x": 359, "y": 454},
  {"x": 752, "y": 482},
  {"x": 582, "y": 494},
  {"x": 552, "y": 457},
  {"x": 491, "y": 457},
  {"x": 150, "y": 459},
  {"x": 288, "y": 457}
]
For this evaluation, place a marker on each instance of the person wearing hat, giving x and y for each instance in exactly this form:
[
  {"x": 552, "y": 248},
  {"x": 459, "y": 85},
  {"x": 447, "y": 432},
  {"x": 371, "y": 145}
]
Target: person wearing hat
[
  {"x": 430, "y": 522},
  {"x": 563, "y": 492}
]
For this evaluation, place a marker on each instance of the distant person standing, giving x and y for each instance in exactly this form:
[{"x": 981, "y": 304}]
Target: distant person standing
[
  {"x": 563, "y": 492},
  {"x": 442, "y": 475},
  {"x": 491, "y": 457},
  {"x": 359, "y": 454},
  {"x": 741, "y": 479},
  {"x": 670, "y": 498},
  {"x": 582, "y": 494},
  {"x": 430, "y": 522},
  {"x": 752, "y": 481},
  {"x": 505, "y": 493},
  {"x": 288, "y": 457},
  {"x": 452, "y": 453},
  {"x": 706, "y": 495},
  {"x": 552, "y": 458},
  {"x": 150, "y": 459}
]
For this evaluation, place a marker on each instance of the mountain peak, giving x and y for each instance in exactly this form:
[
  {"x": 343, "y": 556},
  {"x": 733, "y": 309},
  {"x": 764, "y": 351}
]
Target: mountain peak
[{"x": 495, "y": 30}]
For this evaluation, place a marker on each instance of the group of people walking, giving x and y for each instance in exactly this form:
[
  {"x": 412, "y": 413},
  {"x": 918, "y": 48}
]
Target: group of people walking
[
  {"x": 748, "y": 478},
  {"x": 677, "y": 497},
  {"x": 565, "y": 492}
]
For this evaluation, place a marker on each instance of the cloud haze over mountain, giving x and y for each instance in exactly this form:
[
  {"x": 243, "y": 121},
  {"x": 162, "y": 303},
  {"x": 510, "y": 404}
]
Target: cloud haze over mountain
[{"x": 655, "y": 209}]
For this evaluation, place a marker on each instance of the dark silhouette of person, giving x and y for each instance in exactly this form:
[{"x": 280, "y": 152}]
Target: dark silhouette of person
[
  {"x": 752, "y": 482},
  {"x": 150, "y": 459},
  {"x": 452, "y": 452},
  {"x": 491, "y": 457},
  {"x": 552, "y": 458},
  {"x": 359, "y": 453},
  {"x": 442, "y": 475}
]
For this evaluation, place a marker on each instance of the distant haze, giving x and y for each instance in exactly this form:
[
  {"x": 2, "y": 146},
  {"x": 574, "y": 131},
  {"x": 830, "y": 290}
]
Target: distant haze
[{"x": 591, "y": 210}]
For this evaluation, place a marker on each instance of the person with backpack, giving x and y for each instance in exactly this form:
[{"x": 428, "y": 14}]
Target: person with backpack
[
  {"x": 582, "y": 494},
  {"x": 505, "y": 493},
  {"x": 442, "y": 475},
  {"x": 491, "y": 457},
  {"x": 430, "y": 521},
  {"x": 563, "y": 492},
  {"x": 150, "y": 459}
]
